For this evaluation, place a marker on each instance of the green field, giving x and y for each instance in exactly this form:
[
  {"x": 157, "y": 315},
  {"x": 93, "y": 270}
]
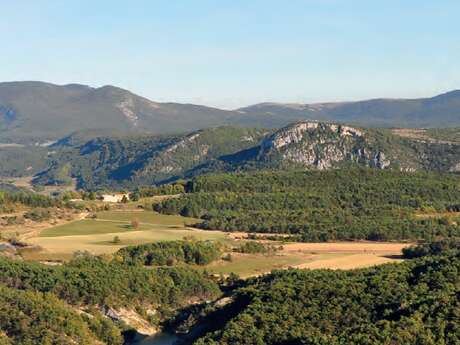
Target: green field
[
  {"x": 116, "y": 222},
  {"x": 97, "y": 235},
  {"x": 146, "y": 217},
  {"x": 89, "y": 227}
]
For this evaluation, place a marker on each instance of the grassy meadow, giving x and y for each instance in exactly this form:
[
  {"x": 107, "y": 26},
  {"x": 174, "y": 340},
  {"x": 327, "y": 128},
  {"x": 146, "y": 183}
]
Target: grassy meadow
[
  {"x": 108, "y": 231},
  {"x": 97, "y": 235}
]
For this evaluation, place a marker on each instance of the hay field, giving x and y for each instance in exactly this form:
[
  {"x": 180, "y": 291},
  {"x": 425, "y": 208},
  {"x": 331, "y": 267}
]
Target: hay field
[
  {"x": 97, "y": 236},
  {"x": 338, "y": 255}
]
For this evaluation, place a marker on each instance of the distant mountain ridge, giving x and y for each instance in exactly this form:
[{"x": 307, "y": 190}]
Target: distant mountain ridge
[
  {"x": 441, "y": 111},
  {"x": 33, "y": 111},
  {"x": 42, "y": 111}
]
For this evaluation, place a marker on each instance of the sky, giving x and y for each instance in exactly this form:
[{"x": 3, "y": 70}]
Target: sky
[{"x": 232, "y": 53}]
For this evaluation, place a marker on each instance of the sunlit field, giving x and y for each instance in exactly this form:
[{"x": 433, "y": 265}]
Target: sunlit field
[{"x": 112, "y": 230}]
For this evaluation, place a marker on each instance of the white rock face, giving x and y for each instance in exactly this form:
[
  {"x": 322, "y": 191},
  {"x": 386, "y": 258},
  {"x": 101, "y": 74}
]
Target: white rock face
[
  {"x": 166, "y": 169},
  {"x": 293, "y": 135},
  {"x": 322, "y": 146},
  {"x": 183, "y": 143},
  {"x": 310, "y": 157},
  {"x": 127, "y": 108},
  {"x": 380, "y": 161},
  {"x": 350, "y": 131},
  {"x": 455, "y": 168},
  {"x": 164, "y": 164},
  {"x": 132, "y": 318}
]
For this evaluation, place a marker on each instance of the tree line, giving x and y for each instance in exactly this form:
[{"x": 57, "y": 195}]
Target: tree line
[
  {"x": 347, "y": 204},
  {"x": 171, "y": 252},
  {"x": 9, "y": 199}
]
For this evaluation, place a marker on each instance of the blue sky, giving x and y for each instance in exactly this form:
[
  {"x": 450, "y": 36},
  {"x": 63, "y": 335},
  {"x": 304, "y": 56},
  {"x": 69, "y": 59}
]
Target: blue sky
[{"x": 231, "y": 53}]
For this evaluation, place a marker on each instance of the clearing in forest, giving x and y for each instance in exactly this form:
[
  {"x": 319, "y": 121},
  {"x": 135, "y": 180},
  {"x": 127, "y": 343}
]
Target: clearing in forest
[{"x": 97, "y": 235}]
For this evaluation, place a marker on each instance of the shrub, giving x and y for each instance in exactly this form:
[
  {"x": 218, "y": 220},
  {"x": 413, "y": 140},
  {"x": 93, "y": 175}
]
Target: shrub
[
  {"x": 135, "y": 223},
  {"x": 172, "y": 252}
]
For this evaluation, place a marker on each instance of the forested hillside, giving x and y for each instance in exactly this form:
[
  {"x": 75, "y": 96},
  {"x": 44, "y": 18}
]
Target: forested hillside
[
  {"x": 416, "y": 302},
  {"x": 28, "y": 317},
  {"x": 345, "y": 204},
  {"x": 171, "y": 252},
  {"x": 32, "y": 308},
  {"x": 126, "y": 162},
  {"x": 10, "y": 200},
  {"x": 98, "y": 160}
]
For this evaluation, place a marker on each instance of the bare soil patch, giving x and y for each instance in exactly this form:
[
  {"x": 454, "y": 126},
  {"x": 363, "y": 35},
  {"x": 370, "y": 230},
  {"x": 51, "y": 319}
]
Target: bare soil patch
[
  {"x": 348, "y": 247},
  {"x": 346, "y": 262}
]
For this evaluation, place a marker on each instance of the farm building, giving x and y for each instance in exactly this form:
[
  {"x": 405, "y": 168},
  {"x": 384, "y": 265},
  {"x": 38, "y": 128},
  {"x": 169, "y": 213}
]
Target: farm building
[{"x": 114, "y": 197}]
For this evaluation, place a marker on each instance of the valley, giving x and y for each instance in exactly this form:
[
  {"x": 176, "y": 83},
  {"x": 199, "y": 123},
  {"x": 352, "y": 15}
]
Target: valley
[
  {"x": 190, "y": 227},
  {"x": 230, "y": 173},
  {"x": 213, "y": 238},
  {"x": 59, "y": 243}
]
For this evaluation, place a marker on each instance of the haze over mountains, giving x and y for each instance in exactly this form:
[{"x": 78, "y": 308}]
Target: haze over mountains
[
  {"x": 43, "y": 111},
  {"x": 436, "y": 112},
  {"x": 33, "y": 111}
]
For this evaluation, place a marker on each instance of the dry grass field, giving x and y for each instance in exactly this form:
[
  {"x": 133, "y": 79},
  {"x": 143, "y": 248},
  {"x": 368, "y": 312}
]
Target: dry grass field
[
  {"x": 26, "y": 182},
  {"x": 62, "y": 247},
  {"x": 97, "y": 236},
  {"x": 340, "y": 255}
]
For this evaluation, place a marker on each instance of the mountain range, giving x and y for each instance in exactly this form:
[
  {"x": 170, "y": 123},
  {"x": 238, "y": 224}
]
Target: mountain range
[
  {"x": 124, "y": 162},
  {"x": 38, "y": 112}
]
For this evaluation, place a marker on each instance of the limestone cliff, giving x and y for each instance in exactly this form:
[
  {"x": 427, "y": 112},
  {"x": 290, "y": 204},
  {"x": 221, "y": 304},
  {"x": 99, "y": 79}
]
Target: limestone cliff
[{"x": 316, "y": 145}]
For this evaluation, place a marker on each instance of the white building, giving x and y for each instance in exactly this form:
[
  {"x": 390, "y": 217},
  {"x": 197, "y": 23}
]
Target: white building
[{"x": 116, "y": 197}]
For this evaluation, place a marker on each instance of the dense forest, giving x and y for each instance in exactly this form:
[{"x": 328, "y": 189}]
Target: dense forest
[
  {"x": 28, "y": 317},
  {"x": 441, "y": 247},
  {"x": 170, "y": 253},
  {"x": 35, "y": 299},
  {"x": 93, "y": 280},
  {"x": 416, "y": 302},
  {"x": 12, "y": 200},
  {"x": 346, "y": 204},
  {"x": 27, "y": 199}
]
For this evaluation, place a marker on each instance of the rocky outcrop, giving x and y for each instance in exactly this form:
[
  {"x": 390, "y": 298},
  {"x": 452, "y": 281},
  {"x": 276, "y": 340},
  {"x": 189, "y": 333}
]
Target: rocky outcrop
[
  {"x": 183, "y": 143},
  {"x": 380, "y": 161},
  {"x": 455, "y": 168},
  {"x": 126, "y": 106},
  {"x": 317, "y": 145},
  {"x": 132, "y": 319},
  {"x": 191, "y": 147},
  {"x": 292, "y": 134}
]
